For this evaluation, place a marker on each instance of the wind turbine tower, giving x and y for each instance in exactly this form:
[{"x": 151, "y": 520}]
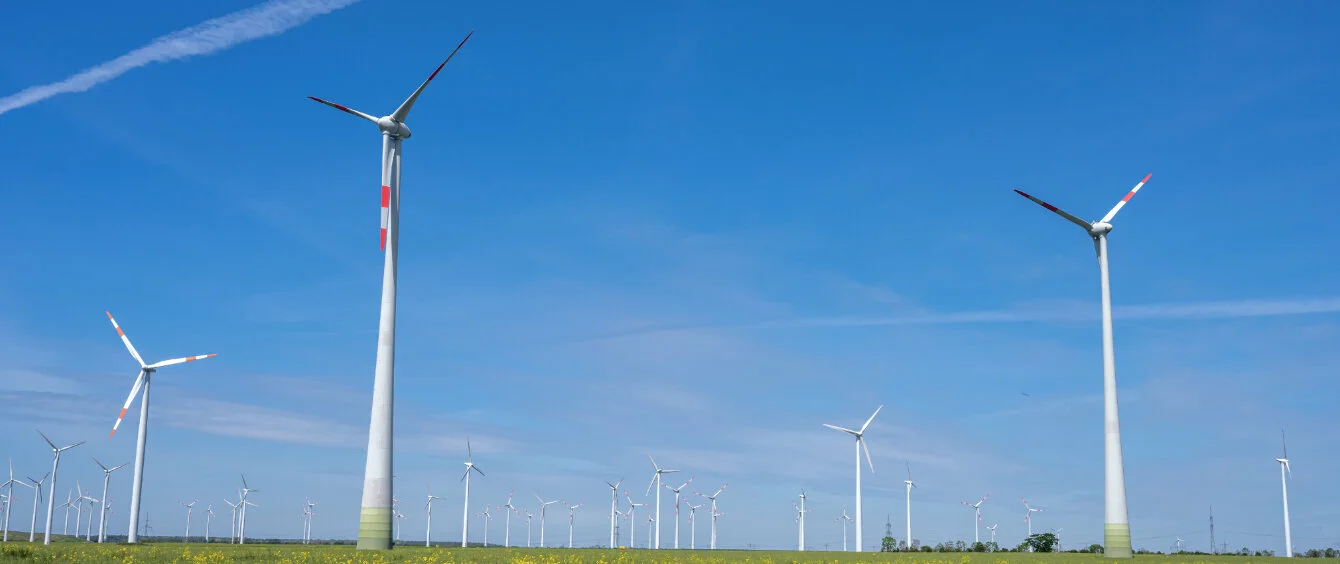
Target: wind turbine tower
[
  {"x": 712, "y": 498},
  {"x": 860, "y": 445},
  {"x": 37, "y": 497},
  {"x": 655, "y": 483},
  {"x": 1116, "y": 520},
  {"x": 469, "y": 466},
  {"x": 428, "y": 535},
  {"x": 800, "y": 518},
  {"x": 977, "y": 510},
  {"x": 376, "y": 517},
  {"x": 510, "y": 509},
  {"x": 1285, "y": 473},
  {"x": 614, "y": 507},
  {"x": 1028, "y": 515},
  {"x": 543, "y": 505},
  {"x": 51, "y": 500},
  {"x": 571, "y": 510},
  {"x": 106, "y": 479},
  {"x": 844, "y": 519},
  {"x": 910, "y": 485},
  {"x": 632, "y": 520},
  {"x": 677, "y": 490}
]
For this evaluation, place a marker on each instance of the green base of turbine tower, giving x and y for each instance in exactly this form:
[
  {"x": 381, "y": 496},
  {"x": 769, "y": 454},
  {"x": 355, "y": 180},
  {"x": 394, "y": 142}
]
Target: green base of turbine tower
[
  {"x": 1116, "y": 540},
  {"x": 374, "y": 529}
]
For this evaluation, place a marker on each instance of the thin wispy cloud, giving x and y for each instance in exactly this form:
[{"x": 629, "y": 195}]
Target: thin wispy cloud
[
  {"x": 1076, "y": 311},
  {"x": 264, "y": 20}
]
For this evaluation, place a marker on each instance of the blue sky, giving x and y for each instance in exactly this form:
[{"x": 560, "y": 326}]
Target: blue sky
[{"x": 695, "y": 231}]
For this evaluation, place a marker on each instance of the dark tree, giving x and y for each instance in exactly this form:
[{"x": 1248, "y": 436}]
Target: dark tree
[
  {"x": 1042, "y": 542},
  {"x": 890, "y": 544}
]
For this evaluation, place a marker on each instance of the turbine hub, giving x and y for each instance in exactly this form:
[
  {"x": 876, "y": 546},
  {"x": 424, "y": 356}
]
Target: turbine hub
[
  {"x": 1100, "y": 228},
  {"x": 392, "y": 127}
]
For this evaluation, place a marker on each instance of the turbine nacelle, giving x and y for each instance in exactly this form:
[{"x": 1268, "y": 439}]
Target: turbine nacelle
[
  {"x": 1099, "y": 228},
  {"x": 390, "y": 126}
]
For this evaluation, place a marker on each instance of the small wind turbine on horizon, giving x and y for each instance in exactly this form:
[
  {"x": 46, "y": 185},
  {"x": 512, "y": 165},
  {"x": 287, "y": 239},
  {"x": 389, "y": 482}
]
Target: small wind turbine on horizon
[
  {"x": 632, "y": 522},
  {"x": 309, "y": 507},
  {"x": 469, "y": 466},
  {"x": 106, "y": 479},
  {"x": 614, "y": 507},
  {"x": 141, "y": 388},
  {"x": 244, "y": 502},
  {"x": 977, "y": 509},
  {"x": 1285, "y": 473},
  {"x": 712, "y": 498},
  {"x": 844, "y": 519},
  {"x": 693, "y": 527},
  {"x": 509, "y": 509},
  {"x": 910, "y": 485},
  {"x": 677, "y": 496},
  {"x": 800, "y": 519},
  {"x": 529, "y": 516},
  {"x": 860, "y": 445},
  {"x": 543, "y": 505},
  {"x": 655, "y": 483},
  {"x": 1028, "y": 515},
  {"x": 428, "y": 507},
  {"x": 487, "y": 515},
  {"x": 232, "y": 522},
  {"x": 374, "y": 526},
  {"x": 992, "y": 528},
  {"x": 51, "y": 500},
  {"x": 9, "y": 497},
  {"x": 571, "y": 511},
  {"x": 67, "y": 506},
  {"x": 190, "y": 507},
  {"x": 209, "y": 516},
  {"x": 37, "y": 498},
  {"x": 1116, "y": 520}
]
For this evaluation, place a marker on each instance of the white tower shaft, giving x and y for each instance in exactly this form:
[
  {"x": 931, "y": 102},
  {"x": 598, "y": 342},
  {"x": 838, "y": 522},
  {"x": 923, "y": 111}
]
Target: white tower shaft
[
  {"x": 137, "y": 483},
  {"x": 1288, "y": 538},
  {"x": 858, "y": 494},
  {"x": 1116, "y": 523}
]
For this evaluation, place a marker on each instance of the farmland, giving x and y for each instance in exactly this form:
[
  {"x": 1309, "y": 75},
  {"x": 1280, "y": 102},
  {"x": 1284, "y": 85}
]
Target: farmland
[{"x": 314, "y": 554}]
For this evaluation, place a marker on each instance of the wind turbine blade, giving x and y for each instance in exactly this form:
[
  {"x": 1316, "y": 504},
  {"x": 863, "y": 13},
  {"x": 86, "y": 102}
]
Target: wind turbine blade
[
  {"x": 402, "y": 113},
  {"x": 476, "y": 469},
  {"x": 135, "y": 389},
  {"x": 652, "y": 484},
  {"x": 1127, "y": 198},
  {"x": 867, "y": 455},
  {"x": 126, "y": 340},
  {"x": 95, "y": 461},
  {"x": 44, "y": 437},
  {"x": 179, "y": 360},
  {"x": 843, "y": 429},
  {"x": 872, "y": 418},
  {"x": 1057, "y": 211},
  {"x": 1285, "y": 444},
  {"x": 653, "y": 462},
  {"x": 469, "y": 453},
  {"x": 345, "y": 109}
]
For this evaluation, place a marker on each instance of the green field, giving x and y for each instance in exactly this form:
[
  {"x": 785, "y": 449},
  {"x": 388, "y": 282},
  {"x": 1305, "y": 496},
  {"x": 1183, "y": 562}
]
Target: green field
[{"x": 315, "y": 554}]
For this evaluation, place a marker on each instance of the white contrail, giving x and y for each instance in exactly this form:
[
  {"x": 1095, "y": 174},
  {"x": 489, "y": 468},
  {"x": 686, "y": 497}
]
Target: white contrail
[{"x": 271, "y": 18}]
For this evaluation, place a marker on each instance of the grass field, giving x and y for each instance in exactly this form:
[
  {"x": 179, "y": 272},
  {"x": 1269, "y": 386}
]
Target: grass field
[{"x": 176, "y": 553}]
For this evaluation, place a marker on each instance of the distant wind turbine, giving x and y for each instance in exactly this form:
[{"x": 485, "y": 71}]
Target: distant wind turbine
[
  {"x": 910, "y": 485},
  {"x": 1285, "y": 473},
  {"x": 209, "y": 516},
  {"x": 487, "y": 518},
  {"x": 37, "y": 497},
  {"x": 860, "y": 445},
  {"x": 509, "y": 509},
  {"x": 529, "y": 516},
  {"x": 614, "y": 507},
  {"x": 655, "y": 483},
  {"x": 977, "y": 509},
  {"x": 106, "y": 479},
  {"x": 9, "y": 497},
  {"x": 51, "y": 500},
  {"x": 190, "y": 507},
  {"x": 632, "y": 521},
  {"x": 1028, "y": 515},
  {"x": 712, "y": 498},
  {"x": 844, "y": 519},
  {"x": 677, "y": 490},
  {"x": 242, "y": 500},
  {"x": 693, "y": 527},
  {"x": 571, "y": 510},
  {"x": 428, "y": 535},
  {"x": 543, "y": 504},
  {"x": 1116, "y": 520},
  {"x": 992, "y": 528},
  {"x": 800, "y": 519}
]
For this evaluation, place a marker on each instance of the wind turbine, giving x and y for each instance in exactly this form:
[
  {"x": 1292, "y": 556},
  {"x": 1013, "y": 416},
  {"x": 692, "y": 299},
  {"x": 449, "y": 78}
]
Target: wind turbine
[
  {"x": 209, "y": 516},
  {"x": 992, "y": 528},
  {"x": 1177, "y": 545},
  {"x": 650, "y": 521},
  {"x": 79, "y": 500},
  {"x": 232, "y": 522},
  {"x": 1028, "y": 515},
  {"x": 375, "y": 523},
  {"x": 141, "y": 383},
  {"x": 571, "y": 510},
  {"x": 469, "y": 466},
  {"x": 1060, "y": 547},
  {"x": 543, "y": 505},
  {"x": 910, "y": 485},
  {"x": 1116, "y": 521},
  {"x": 655, "y": 482},
  {"x": 860, "y": 445},
  {"x": 693, "y": 526},
  {"x": 614, "y": 507},
  {"x": 1285, "y": 473},
  {"x": 400, "y": 518},
  {"x": 428, "y": 535},
  {"x": 510, "y": 509},
  {"x": 844, "y": 519},
  {"x": 712, "y": 498},
  {"x": 88, "y": 528},
  {"x": 632, "y": 520},
  {"x": 106, "y": 478},
  {"x": 308, "y": 506},
  {"x": 800, "y": 518},
  {"x": 242, "y": 500},
  {"x": 69, "y": 503},
  {"x": 618, "y": 525},
  {"x": 488, "y": 517},
  {"x": 37, "y": 497},
  {"x": 51, "y": 501},
  {"x": 9, "y": 497},
  {"x": 977, "y": 509},
  {"x": 677, "y": 490},
  {"x": 190, "y": 507},
  {"x": 529, "y": 516}
]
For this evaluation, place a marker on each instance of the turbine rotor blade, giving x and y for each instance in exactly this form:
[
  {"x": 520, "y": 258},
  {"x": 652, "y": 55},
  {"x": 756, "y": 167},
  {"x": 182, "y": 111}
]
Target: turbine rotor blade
[
  {"x": 1123, "y": 201},
  {"x": 135, "y": 389},
  {"x": 345, "y": 109},
  {"x": 125, "y": 340},
  {"x": 867, "y": 455},
  {"x": 402, "y": 113},
  {"x": 179, "y": 360},
  {"x": 843, "y": 429},
  {"x": 1058, "y": 211},
  {"x": 872, "y": 418}
]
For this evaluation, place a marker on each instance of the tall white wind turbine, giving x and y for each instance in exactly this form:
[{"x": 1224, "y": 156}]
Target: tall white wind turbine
[
  {"x": 245, "y": 503},
  {"x": 844, "y": 519},
  {"x": 572, "y": 509},
  {"x": 977, "y": 510},
  {"x": 509, "y": 509},
  {"x": 209, "y": 517},
  {"x": 712, "y": 498},
  {"x": 1116, "y": 520},
  {"x": 232, "y": 522},
  {"x": 655, "y": 483},
  {"x": 543, "y": 504},
  {"x": 487, "y": 515},
  {"x": 106, "y": 479},
  {"x": 800, "y": 518},
  {"x": 51, "y": 501},
  {"x": 469, "y": 466},
  {"x": 428, "y": 535},
  {"x": 693, "y": 527},
  {"x": 614, "y": 506},
  {"x": 9, "y": 497},
  {"x": 37, "y": 497},
  {"x": 910, "y": 485},
  {"x": 992, "y": 528},
  {"x": 374, "y": 525},
  {"x": 141, "y": 383},
  {"x": 1028, "y": 515},
  {"x": 190, "y": 507},
  {"x": 1285, "y": 473},
  {"x": 308, "y": 507},
  {"x": 677, "y": 490},
  {"x": 529, "y": 516},
  {"x": 860, "y": 445}
]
